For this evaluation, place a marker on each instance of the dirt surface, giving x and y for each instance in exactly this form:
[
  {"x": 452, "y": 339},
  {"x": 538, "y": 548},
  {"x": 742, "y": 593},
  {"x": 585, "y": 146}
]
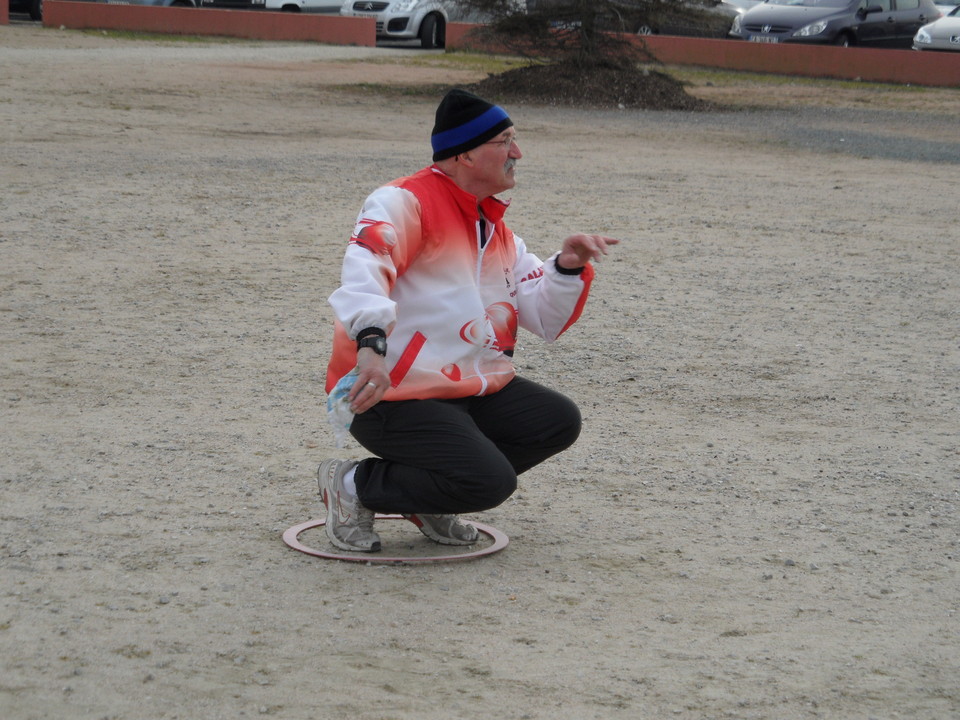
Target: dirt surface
[{"x": 760, "y": 519}]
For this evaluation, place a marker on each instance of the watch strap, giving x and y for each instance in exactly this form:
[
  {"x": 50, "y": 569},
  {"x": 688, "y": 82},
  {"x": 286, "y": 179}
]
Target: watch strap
[
  {"x": 375, "y": 342},
  {"x": 367, "y": 332}
]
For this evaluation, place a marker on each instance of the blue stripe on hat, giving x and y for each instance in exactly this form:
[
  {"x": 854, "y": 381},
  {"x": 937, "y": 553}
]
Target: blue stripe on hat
[{"x": 466, "y": 132}]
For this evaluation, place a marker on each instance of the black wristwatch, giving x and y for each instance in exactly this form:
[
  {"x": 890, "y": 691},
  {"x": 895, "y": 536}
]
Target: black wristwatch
[{"x": 376, "y": 342}]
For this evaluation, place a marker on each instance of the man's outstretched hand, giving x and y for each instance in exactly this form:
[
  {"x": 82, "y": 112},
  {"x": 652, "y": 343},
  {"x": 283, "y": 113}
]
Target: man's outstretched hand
[{"x": 580, "y": 249}]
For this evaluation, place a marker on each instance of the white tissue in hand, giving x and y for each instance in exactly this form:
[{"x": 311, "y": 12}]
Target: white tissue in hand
[{"x": 338, "y": 407}]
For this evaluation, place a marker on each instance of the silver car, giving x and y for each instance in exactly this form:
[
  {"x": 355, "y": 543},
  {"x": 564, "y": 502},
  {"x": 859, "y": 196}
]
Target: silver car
[
  {"x": 942, "y": 34},
  {"x": 319, "y": 7},
  {"x": 425, "y": 20}
]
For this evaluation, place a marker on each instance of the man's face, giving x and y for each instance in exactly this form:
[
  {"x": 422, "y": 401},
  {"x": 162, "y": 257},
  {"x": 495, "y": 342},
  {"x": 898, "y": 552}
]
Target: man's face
[{"x": 494, "y": 161}]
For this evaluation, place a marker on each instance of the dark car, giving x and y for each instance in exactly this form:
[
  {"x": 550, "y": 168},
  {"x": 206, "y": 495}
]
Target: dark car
[
  {"x": 33, "y": 7},
  {"x": 696, "y": 18},
  {"x": 872, "y": 23},
  {"x": 703, "y": 18}
]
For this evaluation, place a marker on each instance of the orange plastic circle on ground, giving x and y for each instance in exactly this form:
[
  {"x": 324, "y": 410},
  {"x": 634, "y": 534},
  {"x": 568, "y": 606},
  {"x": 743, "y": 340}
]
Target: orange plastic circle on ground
[{"x": 292, "y": 538}]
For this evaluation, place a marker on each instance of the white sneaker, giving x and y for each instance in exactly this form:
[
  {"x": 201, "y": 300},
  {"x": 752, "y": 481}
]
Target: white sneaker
[
  {"x": 445, "y": 529},
  {"x": 349, "y": 524}
]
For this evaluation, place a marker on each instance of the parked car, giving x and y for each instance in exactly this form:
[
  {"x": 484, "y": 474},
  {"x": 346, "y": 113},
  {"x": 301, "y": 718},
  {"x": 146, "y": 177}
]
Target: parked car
[
  {"x": 692, "y": 18},
  {"x": 942, "y": 34},
  {"x": 698, "y": 18},
  {"x": 425, "y": 20},
  {"x": 35, "y": 7},
  {"x": 321, "y": 7},
  {"x": 876, "y": 23},
  {"x": 233, "y": 4},
  {"x": 32, "y": 7},
  {"x": 153, "y": 3}
]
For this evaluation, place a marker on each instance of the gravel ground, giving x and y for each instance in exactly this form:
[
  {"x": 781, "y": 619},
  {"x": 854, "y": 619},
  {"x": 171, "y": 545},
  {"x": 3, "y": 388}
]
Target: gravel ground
[
  {"x": 759, "y": 522},
  {"x": 870, "y": 134}
]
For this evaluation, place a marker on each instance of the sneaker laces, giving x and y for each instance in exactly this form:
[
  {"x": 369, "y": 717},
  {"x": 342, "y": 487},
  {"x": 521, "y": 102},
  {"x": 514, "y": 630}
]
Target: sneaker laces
[{"x": 365, "y": 518}]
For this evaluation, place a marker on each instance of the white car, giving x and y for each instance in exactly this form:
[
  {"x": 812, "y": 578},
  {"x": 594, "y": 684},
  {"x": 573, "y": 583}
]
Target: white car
[
  {"x": 323, "y": 7},
  {"x": 942, "y": 34},
  {"x": 404, "y": 19}
]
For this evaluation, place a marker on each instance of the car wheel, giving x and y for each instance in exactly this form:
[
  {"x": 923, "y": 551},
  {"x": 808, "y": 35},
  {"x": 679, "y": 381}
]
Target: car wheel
[
  {"x": 36, "y": 9},
  {"x": 645, "y": 29},
  {"x": 432, "y": 33},
  {"x": 290, "y": 8},
  {"x": 843, "y": 40}
]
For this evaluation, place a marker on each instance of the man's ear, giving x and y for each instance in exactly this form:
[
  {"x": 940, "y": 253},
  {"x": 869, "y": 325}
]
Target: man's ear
[{"x": 466, "y": 158}]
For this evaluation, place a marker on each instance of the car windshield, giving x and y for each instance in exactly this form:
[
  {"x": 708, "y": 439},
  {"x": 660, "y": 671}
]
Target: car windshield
[{"x": 811, "y": 3}]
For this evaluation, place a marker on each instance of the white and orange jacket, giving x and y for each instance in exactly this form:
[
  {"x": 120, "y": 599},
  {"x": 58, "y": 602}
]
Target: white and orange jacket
[{"x": 449, "y": 290}]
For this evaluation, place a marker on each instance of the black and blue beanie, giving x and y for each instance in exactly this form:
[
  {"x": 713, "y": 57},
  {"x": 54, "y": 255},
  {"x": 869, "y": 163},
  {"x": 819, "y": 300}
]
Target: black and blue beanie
[{"x": 464, "y": 122}]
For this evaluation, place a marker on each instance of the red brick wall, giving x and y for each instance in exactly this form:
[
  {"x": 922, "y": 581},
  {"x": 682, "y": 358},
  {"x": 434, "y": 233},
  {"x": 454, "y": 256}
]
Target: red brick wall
[
  {"x": 891, "y": 66},
  {"x": 252, "y": 24}
]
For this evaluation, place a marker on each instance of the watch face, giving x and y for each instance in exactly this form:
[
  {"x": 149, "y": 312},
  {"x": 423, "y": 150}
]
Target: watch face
[{"x": 378, "y": 344}]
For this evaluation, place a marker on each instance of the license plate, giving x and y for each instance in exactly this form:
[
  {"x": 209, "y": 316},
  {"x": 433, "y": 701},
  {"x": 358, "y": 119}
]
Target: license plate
[{"x": 764, "y": 38}]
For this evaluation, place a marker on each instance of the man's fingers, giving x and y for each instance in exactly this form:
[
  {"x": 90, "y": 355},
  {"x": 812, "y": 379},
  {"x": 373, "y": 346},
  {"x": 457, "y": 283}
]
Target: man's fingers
[{"x": 598, "y": 245}]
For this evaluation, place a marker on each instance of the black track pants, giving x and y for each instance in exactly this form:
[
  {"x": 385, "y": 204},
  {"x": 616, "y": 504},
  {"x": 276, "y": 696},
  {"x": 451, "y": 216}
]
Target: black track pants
[{"x": 463, "y": 455}]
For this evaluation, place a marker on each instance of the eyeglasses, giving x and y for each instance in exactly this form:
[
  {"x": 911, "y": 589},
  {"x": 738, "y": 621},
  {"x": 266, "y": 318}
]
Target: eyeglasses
[{"x": 506, "y": 143}]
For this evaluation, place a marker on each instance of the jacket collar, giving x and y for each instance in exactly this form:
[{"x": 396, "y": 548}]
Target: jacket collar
[{"x": 493, "y": 208}]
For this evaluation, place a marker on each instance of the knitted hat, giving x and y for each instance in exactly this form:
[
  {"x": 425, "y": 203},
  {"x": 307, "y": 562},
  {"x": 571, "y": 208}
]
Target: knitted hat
[{"x": 464, "y": 122}]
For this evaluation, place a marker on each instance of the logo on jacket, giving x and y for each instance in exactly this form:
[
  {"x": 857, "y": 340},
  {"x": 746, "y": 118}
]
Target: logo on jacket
[
  {"x": 375, "y": 235},
  {"x": 497, "y": 330}
]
